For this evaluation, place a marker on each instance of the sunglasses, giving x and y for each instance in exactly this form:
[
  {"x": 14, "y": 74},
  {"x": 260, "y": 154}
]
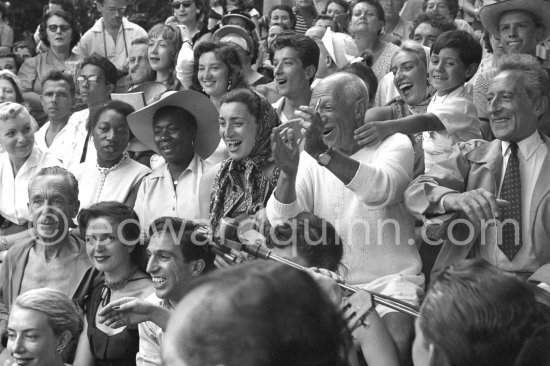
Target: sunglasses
[
  {"x": 54, "y": 27},
  {"x": 179, "y": 5}
]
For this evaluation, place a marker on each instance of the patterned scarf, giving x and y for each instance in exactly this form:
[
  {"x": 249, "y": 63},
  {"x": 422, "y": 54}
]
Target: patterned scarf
[{"x": 231, "y": 197}]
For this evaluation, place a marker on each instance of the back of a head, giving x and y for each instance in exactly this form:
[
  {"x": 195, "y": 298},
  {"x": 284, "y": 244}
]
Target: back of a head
[
  {"x": 366, "y": 74},
  {"x": 257, "y": 314},
  {"x": 475, "y": 314}
]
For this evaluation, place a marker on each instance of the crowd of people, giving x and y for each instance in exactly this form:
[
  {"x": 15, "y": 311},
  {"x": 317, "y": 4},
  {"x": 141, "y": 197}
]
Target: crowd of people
[{"x": 400, "y": 147}]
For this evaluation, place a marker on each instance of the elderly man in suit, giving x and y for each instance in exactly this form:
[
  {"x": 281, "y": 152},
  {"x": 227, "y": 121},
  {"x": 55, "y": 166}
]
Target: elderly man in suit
[{"x": 495, "y": 196}]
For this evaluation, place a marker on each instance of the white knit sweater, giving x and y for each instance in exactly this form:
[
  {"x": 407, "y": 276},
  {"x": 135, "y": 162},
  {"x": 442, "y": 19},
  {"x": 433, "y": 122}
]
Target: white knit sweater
[{"x": 365, "y": 212}]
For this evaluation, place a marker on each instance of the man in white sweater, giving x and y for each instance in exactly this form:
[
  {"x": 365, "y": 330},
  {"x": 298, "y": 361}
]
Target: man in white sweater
[{"x": 359, "y": 190}]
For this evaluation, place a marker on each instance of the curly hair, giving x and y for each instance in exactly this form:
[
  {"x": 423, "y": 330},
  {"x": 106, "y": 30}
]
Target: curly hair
[
  {"x": 225, "y": 53},
  {"x": 68, "y": 17}
]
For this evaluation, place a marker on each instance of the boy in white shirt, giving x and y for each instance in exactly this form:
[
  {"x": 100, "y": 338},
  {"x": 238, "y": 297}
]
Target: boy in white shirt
[{"x": 451, "y": 115}]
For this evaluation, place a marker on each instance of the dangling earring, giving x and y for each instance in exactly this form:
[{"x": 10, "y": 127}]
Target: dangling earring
[{"x": 228, "y": 84}]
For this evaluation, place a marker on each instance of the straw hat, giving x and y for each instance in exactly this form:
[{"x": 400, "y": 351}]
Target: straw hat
[
  {"x": 491, "y": 12},
  {"x": 205, "y": 113}
]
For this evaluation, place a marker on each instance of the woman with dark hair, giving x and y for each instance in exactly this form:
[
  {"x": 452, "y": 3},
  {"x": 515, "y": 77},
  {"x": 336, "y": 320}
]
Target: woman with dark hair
[
  {"x": 217, "y": 70},
  {"x": 246, "y": 179},
  {"x": 280, "y": 314},
  {"x": 366, "y": 25},
  {"x": 336, "y": 7},
  {"x": 164, "y": 45},
  {"x": 112, "y": 234},
  {"x": 193, "y": 14},
  {"x": 43, "y": 324},
  {"x": 10, "y": 88},
  {"x": 113, "y": 176},
  {"x": 60, "y": 34},
  {"x": 181, "y": 127}
]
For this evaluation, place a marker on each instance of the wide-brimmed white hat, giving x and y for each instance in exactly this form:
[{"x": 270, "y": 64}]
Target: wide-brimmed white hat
[
  {"x": 491, "y": 12},
  {"x": 204, "y": 111},
  {"x": 341, "y": 48}
]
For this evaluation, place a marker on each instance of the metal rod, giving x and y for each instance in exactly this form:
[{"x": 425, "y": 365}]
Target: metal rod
[{"x": 381, "y": 299}]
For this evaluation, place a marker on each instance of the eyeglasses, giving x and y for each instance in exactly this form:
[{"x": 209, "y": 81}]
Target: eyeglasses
[
  {"x": 120, "y": 10},
  {"x": 54, "y": 27},
  {"x": 179, "y": 5},
  {"x": 92, "y": 79}
]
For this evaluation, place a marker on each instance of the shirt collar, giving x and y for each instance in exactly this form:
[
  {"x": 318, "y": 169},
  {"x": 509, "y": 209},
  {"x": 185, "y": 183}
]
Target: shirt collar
[
  {"x": 527, "y": 146},
  {"x": 98, "y": 25},
  {"x": 193, "y": 167}
]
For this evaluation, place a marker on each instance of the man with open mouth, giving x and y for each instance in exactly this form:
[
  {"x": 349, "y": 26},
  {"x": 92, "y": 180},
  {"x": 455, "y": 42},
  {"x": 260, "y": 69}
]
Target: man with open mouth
[{"x": 295, "y": 64}]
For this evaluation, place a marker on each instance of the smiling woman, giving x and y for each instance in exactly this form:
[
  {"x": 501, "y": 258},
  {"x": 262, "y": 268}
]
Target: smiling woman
[
  {"x": 112, "y": 234},
  {"x": 43, "y": 322},
  {"x": 163, "y": 47},
  {"x": 245, "y": 180},
  {"x": 114, "y": 176},
  {"x": 19, "y": 161},
  {"x": 181, "y": 127}
]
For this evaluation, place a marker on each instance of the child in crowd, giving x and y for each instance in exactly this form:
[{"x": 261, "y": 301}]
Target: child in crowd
[{"x": 451, "y": 116}]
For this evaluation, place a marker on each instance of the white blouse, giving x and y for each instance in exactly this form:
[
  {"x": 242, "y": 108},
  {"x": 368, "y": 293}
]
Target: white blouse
[{"x": 14, "y": 196}]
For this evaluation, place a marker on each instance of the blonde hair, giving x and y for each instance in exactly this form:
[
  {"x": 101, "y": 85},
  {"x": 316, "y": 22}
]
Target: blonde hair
[
  {"x": 10, "y": 110},
  {"x": 61, "y": 312}
]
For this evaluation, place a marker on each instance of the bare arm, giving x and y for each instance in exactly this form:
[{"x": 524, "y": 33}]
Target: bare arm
[
  {"x": 83, "y": 356},
  {"x": 374, "y": 132}
]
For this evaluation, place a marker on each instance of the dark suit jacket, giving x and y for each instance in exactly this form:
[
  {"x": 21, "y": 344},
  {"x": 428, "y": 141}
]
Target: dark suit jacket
[{"x": 472, "y": 165}]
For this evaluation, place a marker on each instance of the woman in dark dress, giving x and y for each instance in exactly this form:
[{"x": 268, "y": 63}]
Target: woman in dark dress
[{"x": 112, "y": 234}]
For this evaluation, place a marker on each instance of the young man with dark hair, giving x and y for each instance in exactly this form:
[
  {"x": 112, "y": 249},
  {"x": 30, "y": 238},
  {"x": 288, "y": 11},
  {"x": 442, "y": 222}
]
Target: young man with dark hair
[
  {"x": 176, "y": 258},
  {"x": 295, "y": 63}
]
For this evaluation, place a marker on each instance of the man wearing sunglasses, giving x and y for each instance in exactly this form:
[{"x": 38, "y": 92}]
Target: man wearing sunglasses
[{"x": 112, "y": 35}]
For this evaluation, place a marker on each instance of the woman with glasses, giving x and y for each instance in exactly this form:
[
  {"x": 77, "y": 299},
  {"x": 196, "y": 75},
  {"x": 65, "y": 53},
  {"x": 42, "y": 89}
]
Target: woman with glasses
[
  {"x": 112, "y": 234},
  {"x": 60, "y": 34},
  {"x": 193, "y": 15}
]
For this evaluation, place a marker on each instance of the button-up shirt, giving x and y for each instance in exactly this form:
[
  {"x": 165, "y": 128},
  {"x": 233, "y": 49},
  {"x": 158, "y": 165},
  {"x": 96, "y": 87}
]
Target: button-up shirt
[
  {"x": 14, "y": 195},
  {"x": 98, "y": 40},
  {"x": 160, "y": 196},
  {"x": 531, "y": 154}
]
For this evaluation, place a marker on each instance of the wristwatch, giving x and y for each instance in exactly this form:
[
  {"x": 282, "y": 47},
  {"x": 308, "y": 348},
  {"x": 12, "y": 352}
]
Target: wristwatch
[{"x": 325, "y": 158}]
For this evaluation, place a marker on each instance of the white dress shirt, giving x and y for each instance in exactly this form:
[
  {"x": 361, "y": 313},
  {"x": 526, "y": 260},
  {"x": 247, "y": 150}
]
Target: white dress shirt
[
  {"x": 158, "y": 195},
  {"x": 531, "y": 153},
  {"x": 97, "y": 40},
  {"x": 14, "y": 194}
]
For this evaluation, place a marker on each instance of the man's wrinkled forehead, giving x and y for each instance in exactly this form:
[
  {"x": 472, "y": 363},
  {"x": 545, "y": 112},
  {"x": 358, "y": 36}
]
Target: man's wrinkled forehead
[
  {"x": 324, "y": 90},
  {"x": 49, "y": 185}
]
